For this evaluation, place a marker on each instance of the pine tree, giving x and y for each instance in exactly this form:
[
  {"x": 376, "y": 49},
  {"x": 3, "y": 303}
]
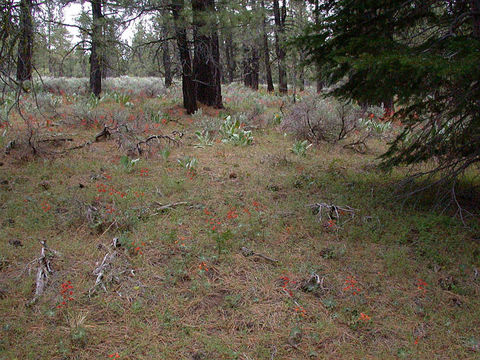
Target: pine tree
[{"x": 426, "y": 55}]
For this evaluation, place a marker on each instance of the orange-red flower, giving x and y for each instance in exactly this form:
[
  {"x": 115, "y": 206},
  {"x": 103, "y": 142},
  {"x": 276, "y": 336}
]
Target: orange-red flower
[{"x": 364, "y": 317}]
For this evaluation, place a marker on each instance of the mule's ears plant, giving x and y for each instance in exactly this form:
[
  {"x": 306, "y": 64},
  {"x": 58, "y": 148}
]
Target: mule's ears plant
[
  {"x": 127, "y": 163},
  {"x": 187, "y": 162},
  {"x": 300, "y": 148},
  {"x": 165, "y": 153},
  {"x": 232, "y": 132},
  {"x": 204, "y": 139}
]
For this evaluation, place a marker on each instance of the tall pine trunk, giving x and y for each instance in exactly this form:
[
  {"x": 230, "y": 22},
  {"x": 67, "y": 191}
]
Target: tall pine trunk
[
  {"x": 475, "y": 4},
  {"x": 247, "y": 71},
  {"x": 229, "y": 56},
  {"x": 280, "y": 17},
  {"x": 266, "y": 52},
  {"x": 255, "y": 66},
  {"x": 95, "y": 57},
  {"x": 167, "y": 62},
  {"x": 301, "y": 76},
  {"x": 206, "y": 63},
  {"x": 25, "y": 45},
  {"x": 188, "y": 86},
  {"x": 317, "y": 68}
]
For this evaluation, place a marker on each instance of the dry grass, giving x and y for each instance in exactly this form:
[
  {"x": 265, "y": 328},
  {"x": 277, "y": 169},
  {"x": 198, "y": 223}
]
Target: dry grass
[{"x": 193, "y": 295}]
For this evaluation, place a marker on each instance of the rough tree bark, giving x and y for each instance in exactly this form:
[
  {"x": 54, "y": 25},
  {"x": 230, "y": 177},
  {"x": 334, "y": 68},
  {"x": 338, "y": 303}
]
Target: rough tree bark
[
  {"x": 25, "y": 44},
  {"x": 206, "y": 63},
  {"x": 167, "y": 63},
  {"x": 188, "y": 86},
  {"x": 255, "y": 66},
  {"x": 266, "y": 51},
  {"x": 475, "y": 5},
  {"x": 280, "y": 17},
  {"x": 247, "y": 71},
  {"x": 95, "y": 57},
  {"x": 319, "y": 76},
  {"x": 251, "y": 66},
  {"x": 229, "y": 56}
]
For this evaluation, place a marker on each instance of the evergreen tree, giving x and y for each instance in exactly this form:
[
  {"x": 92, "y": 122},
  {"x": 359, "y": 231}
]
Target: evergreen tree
[{"x": 426, "y": 55}]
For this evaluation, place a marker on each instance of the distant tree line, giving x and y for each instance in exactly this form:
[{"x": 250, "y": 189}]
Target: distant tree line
[{"x": 204, "y": 42}]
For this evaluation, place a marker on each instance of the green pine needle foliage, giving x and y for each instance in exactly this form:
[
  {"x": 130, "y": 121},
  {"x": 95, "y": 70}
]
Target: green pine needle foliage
[{"x": 423, "y": 54}]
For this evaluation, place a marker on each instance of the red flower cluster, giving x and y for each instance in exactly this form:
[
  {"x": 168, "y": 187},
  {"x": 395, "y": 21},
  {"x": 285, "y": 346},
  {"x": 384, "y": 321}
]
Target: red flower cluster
[
  {"x": 66, "y": 292},
  {"x": 191, "y": 174},
  {"x": 350, "y": 283},
  {"x": 421, "y": 285},
  {"x": 144, "y": 172},
  {"x": 137, "y": 249},
  {"x": 203, "y": 266},
  {"x": 102, "y": 188},
  {"x": 45, "y": 206},
  {"x": 301, "y": 311},
  {"x": 114, "y": 356},
  {"x": 258, "y": 206},
  {"x": 364, "y": 317},
  {"x": 212, "y": 222},
  {"x": 285, "y": 281},
  {"x": 232, "y": 214},
  {"x": 330, "y": 223}
]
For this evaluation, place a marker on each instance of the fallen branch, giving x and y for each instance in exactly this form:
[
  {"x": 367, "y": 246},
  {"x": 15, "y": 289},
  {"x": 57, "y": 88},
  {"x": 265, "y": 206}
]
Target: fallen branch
[
  {"x": 100, "y": 271},
  {"x": 10, "y": 146},
  {"x": 167, "y": 206},
  {"x": 334, "y": 212},
  {"x": 56, "y": 139},
  {"x": 247, "y": 252},
  {"x": 105, "y": 133},
  {"x": 110, "y": 268},
  {"x": 168, "y": 139},
  {"x": 43, "y": 271}
]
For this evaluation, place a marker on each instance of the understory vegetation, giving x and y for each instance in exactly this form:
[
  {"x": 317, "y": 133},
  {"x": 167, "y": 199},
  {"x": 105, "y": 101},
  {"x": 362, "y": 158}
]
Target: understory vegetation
[{"x": 263, "y": 230}]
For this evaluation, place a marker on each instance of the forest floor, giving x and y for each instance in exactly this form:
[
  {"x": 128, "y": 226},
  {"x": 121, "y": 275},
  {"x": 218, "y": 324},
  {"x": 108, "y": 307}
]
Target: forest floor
[{"x": 393, "y": 279}]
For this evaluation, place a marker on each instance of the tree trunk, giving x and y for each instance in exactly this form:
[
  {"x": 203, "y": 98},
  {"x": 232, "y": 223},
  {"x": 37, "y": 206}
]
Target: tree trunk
[
  {"x": 317, "y": 68},
  {"x": 266, "y": 52},
  {"x": 206, "y": 63},
  {"x": 280, "y": 17},
  {"x": 25, "y": 45},
  {"x": 188, "y": 86},
  {"x": 476, "y": 18},
  {"x": 167, "y": 62},
  {"x": 247, "y": 71},
  {"x": 216, "y": 71},
  {"x": 229, "y": 55},
  {"x": 95, "y": 58},
  {"x": 301, "y": 76},
  {"x": 255, "y": 67}
]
